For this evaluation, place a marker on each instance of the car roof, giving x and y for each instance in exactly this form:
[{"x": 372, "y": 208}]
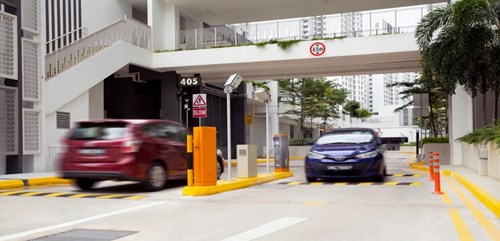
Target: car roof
[
  {"x": 350, "y": 129},
  {"x": 131, "y": 121}
]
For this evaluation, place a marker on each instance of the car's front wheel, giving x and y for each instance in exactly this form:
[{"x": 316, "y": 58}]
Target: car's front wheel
[
  {"x": 85, "y": 183},
  {"x": 220, "y": 167},
  {"x": 311, "y": 179},
  {"x": 156, "y": 178}
]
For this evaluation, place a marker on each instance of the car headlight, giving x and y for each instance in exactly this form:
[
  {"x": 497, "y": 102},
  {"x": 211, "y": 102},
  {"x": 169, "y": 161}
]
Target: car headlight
[
  {"x": 315, "y": 155},
  {"x": 368, "y": 154}
]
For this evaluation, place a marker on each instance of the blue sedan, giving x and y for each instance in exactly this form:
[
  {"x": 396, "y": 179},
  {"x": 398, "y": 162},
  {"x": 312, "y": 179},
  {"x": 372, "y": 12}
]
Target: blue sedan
[{"x": 346, "y": 153}]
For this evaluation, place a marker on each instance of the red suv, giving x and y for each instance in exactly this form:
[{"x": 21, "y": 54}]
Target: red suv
[{"x": 149, "y": 151}]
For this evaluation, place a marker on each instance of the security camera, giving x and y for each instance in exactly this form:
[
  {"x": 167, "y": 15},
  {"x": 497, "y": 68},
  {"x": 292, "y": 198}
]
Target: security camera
[
  {"x": 233, "y": 81},
  {"x": 262, "y": 94}
]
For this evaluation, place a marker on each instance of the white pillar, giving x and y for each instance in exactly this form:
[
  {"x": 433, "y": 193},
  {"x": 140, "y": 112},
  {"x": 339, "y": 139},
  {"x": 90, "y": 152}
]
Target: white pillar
[
  {"x": 274, "y": 107},
  {"x": 460, "y": 121},
  {"x": 164, "y": 22}
]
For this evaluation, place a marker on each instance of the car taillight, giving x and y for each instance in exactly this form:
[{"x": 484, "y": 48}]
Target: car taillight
[{"x": 131, "y": 146}]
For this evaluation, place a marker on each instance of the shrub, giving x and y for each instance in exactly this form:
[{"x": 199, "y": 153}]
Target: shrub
[
  {"x": 443, "y": 139},
  {"x": 299, "y": 142},
  {"x": 483, "y": 135}
]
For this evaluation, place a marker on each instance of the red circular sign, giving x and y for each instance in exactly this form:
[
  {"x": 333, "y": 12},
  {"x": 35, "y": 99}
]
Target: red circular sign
[{"x": 317, "y": 49}]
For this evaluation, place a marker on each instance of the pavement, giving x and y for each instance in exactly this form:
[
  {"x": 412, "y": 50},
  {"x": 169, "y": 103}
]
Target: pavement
[{"x": 485, "y": 189}]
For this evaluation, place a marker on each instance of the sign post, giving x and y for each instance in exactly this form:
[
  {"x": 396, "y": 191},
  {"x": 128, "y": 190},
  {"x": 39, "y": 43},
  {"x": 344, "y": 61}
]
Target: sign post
[{"x": 200, "y": 106}]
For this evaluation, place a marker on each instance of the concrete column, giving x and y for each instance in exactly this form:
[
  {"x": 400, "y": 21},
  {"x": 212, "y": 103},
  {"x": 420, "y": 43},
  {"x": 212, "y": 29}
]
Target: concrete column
[
  {"x": 460, "y": 122},
  {"x": 164, "y": 22},
  {"x": 274, "y": 108}
]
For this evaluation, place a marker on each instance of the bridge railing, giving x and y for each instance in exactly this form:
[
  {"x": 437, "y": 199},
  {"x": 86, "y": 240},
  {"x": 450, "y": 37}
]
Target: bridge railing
[{"x": 357, "y": 24}]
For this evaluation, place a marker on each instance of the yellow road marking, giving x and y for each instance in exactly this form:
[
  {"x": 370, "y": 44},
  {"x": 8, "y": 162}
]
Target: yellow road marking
[
  {"x": 9, "y": 193},
  {"x": 81, "y": 195},
  {"x": 390, "y": 183},
  {"x": 446, "y": 198},
  {"x": 317, "y": 183},
  {"x": 294, "y": 183},
  {"x": 365, "y": 183},
  {"x": 476, "y": 212},
  {"x": 109, "y": 196},
  {"x": 416, "y": 184},
  {"x": 462, "y": 230},
  {"x": 134, "y": 197},
  {"x": 56, "y": 194},
  {"x": 340, "y": 184},
  {"x": 397, "y": 175},
  {"x": 31, "y": 194},
  {"x": 314, "y": 203}
]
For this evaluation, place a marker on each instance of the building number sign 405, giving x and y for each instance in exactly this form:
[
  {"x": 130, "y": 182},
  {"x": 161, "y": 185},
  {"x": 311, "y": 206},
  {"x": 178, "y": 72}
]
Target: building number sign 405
[{"x": 189, "y": 81}]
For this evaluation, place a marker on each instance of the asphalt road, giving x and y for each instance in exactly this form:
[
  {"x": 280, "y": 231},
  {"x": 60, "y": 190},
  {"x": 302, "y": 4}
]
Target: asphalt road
[{"x": 287, "y": 209}]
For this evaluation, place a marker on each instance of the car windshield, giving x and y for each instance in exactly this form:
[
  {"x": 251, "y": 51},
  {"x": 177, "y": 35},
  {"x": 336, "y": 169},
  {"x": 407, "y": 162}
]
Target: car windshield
[
  {"x": 354, "y": 137},
  {"x": 99, "y": 131}
]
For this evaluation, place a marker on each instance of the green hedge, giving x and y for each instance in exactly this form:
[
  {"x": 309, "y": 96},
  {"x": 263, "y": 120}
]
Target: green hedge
[
  {"x": 299, "y": 142},
  {"x": 483, "y": 135},
  {"x": 443, "y": 139}
]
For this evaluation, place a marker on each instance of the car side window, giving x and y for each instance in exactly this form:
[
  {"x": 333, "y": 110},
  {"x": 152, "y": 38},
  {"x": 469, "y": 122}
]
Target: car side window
[
  {"x": 151, "y": 130},
  {"x": 171, "y": 132}
]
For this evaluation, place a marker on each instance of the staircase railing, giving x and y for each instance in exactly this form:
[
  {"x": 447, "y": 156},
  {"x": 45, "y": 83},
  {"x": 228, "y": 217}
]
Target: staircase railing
[{"x": 126, "y": 29}]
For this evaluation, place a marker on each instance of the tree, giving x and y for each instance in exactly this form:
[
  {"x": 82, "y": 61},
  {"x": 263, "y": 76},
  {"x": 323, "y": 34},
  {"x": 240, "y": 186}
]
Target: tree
[
  {"x": 313, "y": 98},
  {"x": 355, "y": 110},
  {"x": 460, "y": 45}
]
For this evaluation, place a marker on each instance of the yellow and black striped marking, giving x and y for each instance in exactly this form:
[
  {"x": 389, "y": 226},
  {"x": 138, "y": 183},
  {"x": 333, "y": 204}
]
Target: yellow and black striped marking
[
  {"x": 353, "y": 183},
  {"x": 70, "y": 195},
  {"x": 402, "y": 175}
]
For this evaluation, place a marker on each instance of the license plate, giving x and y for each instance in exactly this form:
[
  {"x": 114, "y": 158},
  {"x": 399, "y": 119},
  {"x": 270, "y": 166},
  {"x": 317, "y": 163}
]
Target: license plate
[
  {"x": 92, "y": 151},
  {"x": 339, "y": 168}
]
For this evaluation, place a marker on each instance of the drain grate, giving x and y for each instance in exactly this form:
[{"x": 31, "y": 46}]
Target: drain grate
[{"x": 87, "y": 235}]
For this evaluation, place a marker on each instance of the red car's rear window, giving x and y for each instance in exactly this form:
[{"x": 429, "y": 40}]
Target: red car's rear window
[{"x": 99, "y": 131}]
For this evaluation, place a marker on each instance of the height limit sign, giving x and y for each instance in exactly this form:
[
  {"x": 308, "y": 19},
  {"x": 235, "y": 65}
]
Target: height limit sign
[{"x": 199, "y": 105}]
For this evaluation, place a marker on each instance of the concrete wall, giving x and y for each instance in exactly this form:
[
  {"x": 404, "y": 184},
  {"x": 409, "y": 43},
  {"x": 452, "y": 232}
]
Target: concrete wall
[
  {"x": 96, "y": 101},
  {"x": 164, "y": 21},
  {"x": 2, "y": 164},
  {"x": 489, "y": 166},
  {"x": 108, "y": 11},
  {"x": 442, "y": 148}
]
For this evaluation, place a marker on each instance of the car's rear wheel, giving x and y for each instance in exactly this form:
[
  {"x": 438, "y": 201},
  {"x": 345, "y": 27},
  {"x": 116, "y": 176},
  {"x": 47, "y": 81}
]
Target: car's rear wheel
[
  {"x": 85, "y": 183},
  {"x": 311, "y": 179},
  {"x": 156, "y": 178},
  {"x": 220, "y": 167}
]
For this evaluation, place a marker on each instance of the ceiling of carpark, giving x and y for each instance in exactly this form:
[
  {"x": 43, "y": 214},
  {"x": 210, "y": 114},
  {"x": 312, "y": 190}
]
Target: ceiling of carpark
[{"x": 219, "y": 12}]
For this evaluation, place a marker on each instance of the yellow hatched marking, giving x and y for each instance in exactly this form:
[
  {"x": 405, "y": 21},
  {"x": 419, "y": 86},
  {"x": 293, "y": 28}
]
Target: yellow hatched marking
[
  {"x": 397, "y": 175},
  {"x": 391, "y": 183},
  {"x": 462, "y": 230},
  {"x": 134, "y": 197},
  {"x": 476, "y": 212},
  {"x": 294, "y": 183},
  {"x": 109, "y": 196},
  {"x": 416, "y": 184},
  {"x": 340, "y": 184},
  {"x": 57, "y": 194},
  {"x": 314, "y": 203},
  {"x": 317, "y": 183},
  {"x": 365, "y": 183},
  {"x": 30, "y": 194},
  {"x": 9, "y": 193},
  {"x": 80, "y": 195}
]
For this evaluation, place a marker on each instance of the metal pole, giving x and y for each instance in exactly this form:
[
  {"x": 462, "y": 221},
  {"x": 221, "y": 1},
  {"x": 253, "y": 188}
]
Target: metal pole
[
  {"x": 228, "y": 99},
  {"x": 267, "y": 136}
]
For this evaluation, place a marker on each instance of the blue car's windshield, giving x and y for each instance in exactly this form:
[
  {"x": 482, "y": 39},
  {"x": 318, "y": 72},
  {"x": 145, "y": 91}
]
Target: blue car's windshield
[{"x": 355, "y": 137}]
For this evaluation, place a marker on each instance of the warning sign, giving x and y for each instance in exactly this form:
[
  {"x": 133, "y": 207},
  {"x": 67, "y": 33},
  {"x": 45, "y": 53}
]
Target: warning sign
[
  {"x": 200, "y": 112},
  {"x": 199, "y": 100}
]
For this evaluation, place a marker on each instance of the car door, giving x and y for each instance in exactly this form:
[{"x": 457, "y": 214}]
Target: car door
[{"x": 174, "y": 148}]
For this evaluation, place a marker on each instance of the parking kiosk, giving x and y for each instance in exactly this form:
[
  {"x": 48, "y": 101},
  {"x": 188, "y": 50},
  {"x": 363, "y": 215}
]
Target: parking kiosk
[{"x": 281, "y": 155}]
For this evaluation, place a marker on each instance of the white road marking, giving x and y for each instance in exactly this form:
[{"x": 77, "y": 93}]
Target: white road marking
[
  {"x": 266, "y": 229},
  {"x": 78, "y": 221}
]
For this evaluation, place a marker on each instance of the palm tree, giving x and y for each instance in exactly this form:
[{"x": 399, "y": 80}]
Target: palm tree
[{"x": 460, "y": 44}]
